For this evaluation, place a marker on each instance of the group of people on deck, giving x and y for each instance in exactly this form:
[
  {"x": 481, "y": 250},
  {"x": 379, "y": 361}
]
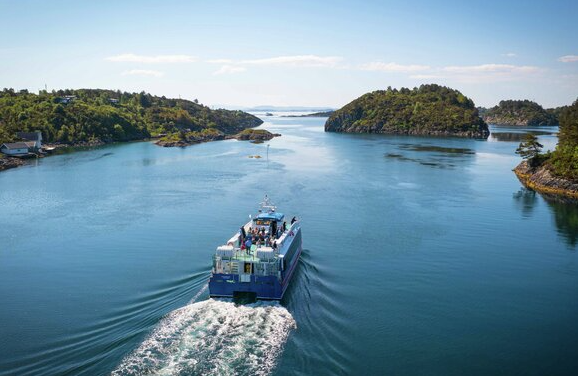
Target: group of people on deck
[{"x": 260, "y": 236}]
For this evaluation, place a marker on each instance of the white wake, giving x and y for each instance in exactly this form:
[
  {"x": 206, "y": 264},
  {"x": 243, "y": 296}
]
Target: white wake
[{"x": 213, "y": 338}]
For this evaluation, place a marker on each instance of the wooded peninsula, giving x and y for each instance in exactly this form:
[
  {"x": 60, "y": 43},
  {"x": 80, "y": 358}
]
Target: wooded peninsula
[{"x": 95, "y": 116}]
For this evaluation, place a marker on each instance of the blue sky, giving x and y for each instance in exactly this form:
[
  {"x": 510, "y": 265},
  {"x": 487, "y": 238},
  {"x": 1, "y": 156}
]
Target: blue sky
[{"x": 316, "y": 53}]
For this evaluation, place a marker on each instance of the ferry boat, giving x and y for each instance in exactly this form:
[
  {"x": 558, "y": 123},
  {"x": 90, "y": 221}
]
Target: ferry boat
[{"x": 260, "y": 259}]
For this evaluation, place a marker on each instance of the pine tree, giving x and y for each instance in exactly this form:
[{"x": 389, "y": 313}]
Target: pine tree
[{"x": 529, "y": 147}]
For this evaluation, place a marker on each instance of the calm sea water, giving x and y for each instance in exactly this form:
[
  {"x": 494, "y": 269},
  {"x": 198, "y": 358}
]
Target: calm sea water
[{"x": 422, "y": 256}]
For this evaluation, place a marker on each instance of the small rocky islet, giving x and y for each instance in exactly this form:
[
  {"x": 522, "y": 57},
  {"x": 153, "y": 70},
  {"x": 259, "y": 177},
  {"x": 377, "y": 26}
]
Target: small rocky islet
[{"x": 191, "y": 138}]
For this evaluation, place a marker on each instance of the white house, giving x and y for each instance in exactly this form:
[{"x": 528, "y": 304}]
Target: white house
[
  {"x": 66, "y": 99},
  {"x": 14, "y": 148}
]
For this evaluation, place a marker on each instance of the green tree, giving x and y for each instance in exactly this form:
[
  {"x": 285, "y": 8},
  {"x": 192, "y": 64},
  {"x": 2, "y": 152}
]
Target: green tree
[
  {"x": 529, "y": 147},
  {"x": 569, "y": 126},
  {"x": 119, "y": 132}
]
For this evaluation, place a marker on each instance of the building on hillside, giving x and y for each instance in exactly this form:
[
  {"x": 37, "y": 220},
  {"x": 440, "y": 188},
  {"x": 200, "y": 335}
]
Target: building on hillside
[
  {"x": 66, "y": 99},
  {"x": 14, "y": 149}
]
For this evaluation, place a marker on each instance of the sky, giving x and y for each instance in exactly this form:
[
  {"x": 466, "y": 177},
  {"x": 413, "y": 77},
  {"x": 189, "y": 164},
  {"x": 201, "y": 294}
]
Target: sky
[{"x": 293, "y": 53}]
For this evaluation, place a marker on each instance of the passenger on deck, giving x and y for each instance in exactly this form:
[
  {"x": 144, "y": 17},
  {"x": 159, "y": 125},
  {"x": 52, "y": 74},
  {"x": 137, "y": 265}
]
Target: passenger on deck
[
  {"x": 293, "y": 220},
  {"x": 248, "y": 243},
  {"x": 274, "y": 245},
  {"x": 242, "y": 236}
]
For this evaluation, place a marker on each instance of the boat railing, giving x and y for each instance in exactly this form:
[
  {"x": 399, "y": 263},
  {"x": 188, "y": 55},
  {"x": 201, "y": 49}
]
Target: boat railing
[{"x": 231, "y": 265}]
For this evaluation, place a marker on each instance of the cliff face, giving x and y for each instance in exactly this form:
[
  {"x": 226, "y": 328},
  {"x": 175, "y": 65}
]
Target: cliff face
[
  {"x": 428, "y": 110},
  {"x": 519, "y": 113},
  {"x": 541, "y": 179}
]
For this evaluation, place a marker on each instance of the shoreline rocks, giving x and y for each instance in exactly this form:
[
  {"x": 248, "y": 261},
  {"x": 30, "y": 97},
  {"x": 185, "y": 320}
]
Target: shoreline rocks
[
  {"x": 539, "y": 178},
  {"x": 11, "y": 162}
]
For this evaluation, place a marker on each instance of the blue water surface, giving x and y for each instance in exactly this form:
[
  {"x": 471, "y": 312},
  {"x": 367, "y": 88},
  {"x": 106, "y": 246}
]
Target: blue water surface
[{"x": 422, "y": 256}]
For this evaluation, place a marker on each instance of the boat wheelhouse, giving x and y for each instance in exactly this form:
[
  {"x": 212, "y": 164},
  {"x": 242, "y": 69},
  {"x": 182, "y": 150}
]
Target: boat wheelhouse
[{"x": 260, "y": 259}]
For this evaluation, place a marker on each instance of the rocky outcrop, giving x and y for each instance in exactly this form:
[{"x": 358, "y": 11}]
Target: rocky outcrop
[
  {"x": 255, "y": 135},
  {"x": 541, "y": 179},
  {"x": 10, "y": 162},
  {"x": 192, "y": 138}
]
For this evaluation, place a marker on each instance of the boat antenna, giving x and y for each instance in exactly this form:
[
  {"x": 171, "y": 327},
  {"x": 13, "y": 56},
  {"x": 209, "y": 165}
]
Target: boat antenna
[{"x": 267, "y": 205}]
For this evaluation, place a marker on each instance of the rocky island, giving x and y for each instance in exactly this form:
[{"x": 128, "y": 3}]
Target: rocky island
[
  {"x": 182, "y": 139},
  {"x": 430, "y": 110},
  {"x": 520, "y": 113},
  {"x": 553, "y": 172}
]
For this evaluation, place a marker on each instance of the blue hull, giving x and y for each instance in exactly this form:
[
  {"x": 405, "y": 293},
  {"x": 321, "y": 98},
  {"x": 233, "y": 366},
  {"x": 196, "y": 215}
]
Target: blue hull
[{"x": 265, "y": 287}]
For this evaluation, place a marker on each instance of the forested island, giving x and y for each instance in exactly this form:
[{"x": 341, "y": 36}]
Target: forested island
[
  {"x": 520, "y": 113},
  {"x": 553, "y": 172},
  {"x": 95, "y": 116},
  {"x": 430, "y": 110},
  {"x": 181, "y": 139}
]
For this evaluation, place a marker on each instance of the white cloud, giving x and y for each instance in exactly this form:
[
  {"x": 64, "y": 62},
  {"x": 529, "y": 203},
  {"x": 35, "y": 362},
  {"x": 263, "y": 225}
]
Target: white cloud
[
  {"x": 297, "y": 61},
  {"x": 509, "y": 54},
  {"x": 568, "y": 59},
  {"x": 492, "y": 68},
  {"x": 229, "y": 69},
  {"x": 425, "y": 76},
  {"x": 132, "y": 58},
  {"x": 392, "y": 67},
  {"x": 220, "y": 61},
  {"x": 486, "y": 73},
  {"x": 143, "y": 72}
]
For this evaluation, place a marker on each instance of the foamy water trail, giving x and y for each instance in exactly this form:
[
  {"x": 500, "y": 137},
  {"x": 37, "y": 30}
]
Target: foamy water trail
[{"x": 213, "y": 337}]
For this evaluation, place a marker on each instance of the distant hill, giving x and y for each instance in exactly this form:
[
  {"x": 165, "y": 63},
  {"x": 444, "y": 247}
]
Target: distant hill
[
  {"x": 520, "y": 113},
  {"x": 428, "y": 110},
  {"x": 87, "y": 115},
  {"x": 287, "y": 109},
  {"x": 315, "y": 114}
]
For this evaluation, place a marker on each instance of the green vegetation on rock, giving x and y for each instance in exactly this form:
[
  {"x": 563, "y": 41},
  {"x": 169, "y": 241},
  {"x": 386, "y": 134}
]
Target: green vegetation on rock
[
  {"x": 77, "y": 116},
  {"x": 530, "y": 147},
  {"x": 555, "y": 172},
  {"x": 522, "y": 113},
  {"x": 428, "y": 110},
  {"x": 564, "y": 160}
]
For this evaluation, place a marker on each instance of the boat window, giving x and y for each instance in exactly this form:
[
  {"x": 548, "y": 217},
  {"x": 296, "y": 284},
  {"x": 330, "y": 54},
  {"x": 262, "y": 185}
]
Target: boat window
[{"x": 262, "y": 222}]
